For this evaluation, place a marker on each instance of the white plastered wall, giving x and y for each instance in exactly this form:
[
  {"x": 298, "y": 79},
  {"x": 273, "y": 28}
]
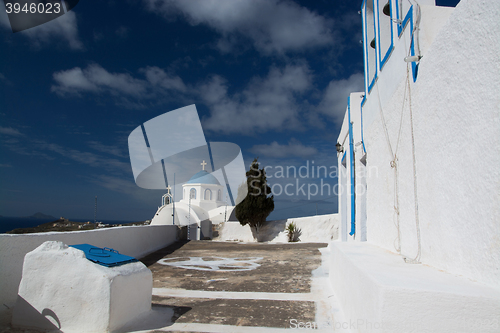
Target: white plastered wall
[
  {"x": 456, "y": 123},
  {"x": 132, "y": 241},
  {"x": 345, "y": 189},
  {"x": 185, "y": 214},
  {"x": 317, "y": 229},
  {"x": 343, "y": 179}
]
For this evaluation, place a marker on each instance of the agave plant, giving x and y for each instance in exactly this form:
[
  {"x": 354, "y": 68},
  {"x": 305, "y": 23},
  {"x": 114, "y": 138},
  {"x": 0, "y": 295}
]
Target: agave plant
[{"x": 291, "y": 229}]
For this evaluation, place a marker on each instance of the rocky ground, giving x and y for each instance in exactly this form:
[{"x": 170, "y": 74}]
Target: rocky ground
[{"x": 64, "y": 224}]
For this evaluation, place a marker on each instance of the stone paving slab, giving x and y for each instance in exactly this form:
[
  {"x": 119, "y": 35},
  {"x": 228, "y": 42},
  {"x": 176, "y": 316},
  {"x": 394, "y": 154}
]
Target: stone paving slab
[
  {"x": 263, "y": 313},
  {"x": 232, "y": 287},
  {"x": 239, "y": 267},
  {"x": 165, "y": 292}
]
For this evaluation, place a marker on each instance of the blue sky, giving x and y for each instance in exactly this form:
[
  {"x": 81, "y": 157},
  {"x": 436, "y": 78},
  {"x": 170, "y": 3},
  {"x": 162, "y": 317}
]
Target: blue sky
[{"x": 270, "y": 76}]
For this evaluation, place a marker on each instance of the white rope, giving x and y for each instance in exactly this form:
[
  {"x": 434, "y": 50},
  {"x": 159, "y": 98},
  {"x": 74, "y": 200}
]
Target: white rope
[
  {"x": 415, "y": 260},
  {"x": 393, "y": 163},
  {"x": 416, "y": 28},
  {"x": 397, "y": 241},
  {"x": 393, "y": 153},
  {"x": 386, "y": 132}
]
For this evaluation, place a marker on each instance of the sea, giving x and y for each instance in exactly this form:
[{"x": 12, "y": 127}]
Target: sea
[{"x": 11, "y": 223}]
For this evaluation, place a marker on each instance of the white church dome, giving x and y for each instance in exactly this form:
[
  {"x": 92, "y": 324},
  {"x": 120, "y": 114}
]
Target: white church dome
[{"x": 203, "y": 177}]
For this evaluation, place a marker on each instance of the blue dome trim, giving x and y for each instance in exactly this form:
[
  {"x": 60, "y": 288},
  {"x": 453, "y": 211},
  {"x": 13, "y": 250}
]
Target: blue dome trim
[{"x": 203, "y": 177}]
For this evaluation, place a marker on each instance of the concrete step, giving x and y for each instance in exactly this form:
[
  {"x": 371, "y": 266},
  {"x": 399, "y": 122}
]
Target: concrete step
[{"x": 378, "y": 290}]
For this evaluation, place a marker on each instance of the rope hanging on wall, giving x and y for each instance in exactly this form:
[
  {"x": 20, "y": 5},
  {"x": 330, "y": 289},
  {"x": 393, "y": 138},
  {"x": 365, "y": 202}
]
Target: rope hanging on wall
[
  {"x": 394, "y": 165},
  {"x": 415, "y": 260}
]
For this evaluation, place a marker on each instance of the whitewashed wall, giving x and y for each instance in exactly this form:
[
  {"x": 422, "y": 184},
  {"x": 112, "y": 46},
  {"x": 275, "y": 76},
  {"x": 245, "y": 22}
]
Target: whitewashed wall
[
  {"x": 359, "y": 169},
  {"x": 456, "y": 120},
  {"x": 135, "y": 241},
  {"x": 316, "y": 229}
]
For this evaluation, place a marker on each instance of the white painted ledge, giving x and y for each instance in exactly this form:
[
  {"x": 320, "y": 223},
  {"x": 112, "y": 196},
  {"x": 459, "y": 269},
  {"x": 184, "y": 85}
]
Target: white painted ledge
[
  {"x": 166, "y": 292},
  {"x": 378, "y": 292}
]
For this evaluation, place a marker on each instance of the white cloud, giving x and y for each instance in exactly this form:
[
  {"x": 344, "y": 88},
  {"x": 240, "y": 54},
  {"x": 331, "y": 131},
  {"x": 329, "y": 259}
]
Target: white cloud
[
  {"x": 95, "y": 79},
  {"x": 29, "y": 146},
  {"x": 278, "y": 101},
  {"x": 122, "y": 31},
  {"x": 64, "y": 28},
  {"x": 112, "y": 150},
  {"x": 266, "y": 103},
  {"x": 276, "y": 150},
  {"x": 334, "y": 101},
  {"x": 158, "y": 77},
  {"x": 72, "y": 81},
  {"x": 117, "y": 184},
  {"x": 273, "y": 26},
  {"x": 115, "y": 82},
  {"x": 87, "y": 158},
  {"x": 126, "y": 185},
  {"x": 4, "y": 80},
  {"x": 10, "y": 131}
]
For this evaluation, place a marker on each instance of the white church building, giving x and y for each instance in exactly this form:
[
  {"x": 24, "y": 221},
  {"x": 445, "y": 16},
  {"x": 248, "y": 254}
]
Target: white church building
[
  {"x": 419, "y": 161},
  {"x": 203, "y": 203}
]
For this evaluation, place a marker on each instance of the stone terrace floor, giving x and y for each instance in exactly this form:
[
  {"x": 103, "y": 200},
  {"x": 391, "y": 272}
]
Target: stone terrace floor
[{"x": 206, "y": 286}]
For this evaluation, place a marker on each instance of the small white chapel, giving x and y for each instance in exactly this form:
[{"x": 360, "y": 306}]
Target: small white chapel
[{"x": 204, "y": 201}]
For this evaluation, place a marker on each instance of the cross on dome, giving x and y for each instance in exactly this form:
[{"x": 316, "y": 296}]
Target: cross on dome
[{"x": 203, "y": 164}]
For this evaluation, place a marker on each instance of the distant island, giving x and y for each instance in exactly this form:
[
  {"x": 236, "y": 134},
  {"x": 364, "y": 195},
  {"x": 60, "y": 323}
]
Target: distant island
[
  {"x": 63, "y": 224},
  {"x": 40, "y": 216}
]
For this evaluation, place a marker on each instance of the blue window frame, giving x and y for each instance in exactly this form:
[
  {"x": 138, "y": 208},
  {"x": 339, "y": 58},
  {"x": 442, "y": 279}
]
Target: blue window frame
[
  {"x": 400, "y": 13},
  {"x": 351, "y": 166},
  {"x": 384, "y": 44},
  {"x": 370, "y": 54},
  {"x": 408, "y": 19}
]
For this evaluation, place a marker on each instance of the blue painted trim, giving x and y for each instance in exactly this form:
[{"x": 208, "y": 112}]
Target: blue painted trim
[
  {"x": 362, "y": 129},
  {"x": 414, "y": 65},
  {"x": 369, "y": 85},
  {"x": 376, "y": 57},
  {"x": 401, "y": 27},
  {"x": 351, "y": 154},
  {"x": 365, "y": 45},
  {"x": 391, "y": 47},
  {"x": 343, "y": 158},
  {"x": 374, "y": 78}
]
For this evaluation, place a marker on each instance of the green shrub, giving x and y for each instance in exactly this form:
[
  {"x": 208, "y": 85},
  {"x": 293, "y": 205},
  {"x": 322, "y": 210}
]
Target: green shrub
[{"x": 292, "y": 232}]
